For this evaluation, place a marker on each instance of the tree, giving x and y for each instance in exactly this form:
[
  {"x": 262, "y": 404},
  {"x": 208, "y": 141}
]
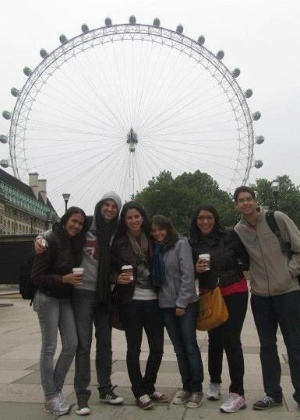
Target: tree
[
  {"x": 288, "y": 196},
  {"x": 178, "y": 198}
]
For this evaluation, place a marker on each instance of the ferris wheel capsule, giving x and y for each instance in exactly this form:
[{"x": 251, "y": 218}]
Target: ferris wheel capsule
[
  {"x": 84, "y": 28},
  {"x": 63, "y": 39},
  {"x": 259, "y": 139},
  {"x": 256, "y": 116},
  {"x": 179, "y": 29},
  {"x": 6, "y": 115},
  {"x": 220, "y": 55},
  {"x": 108, "y": 22},
  {"x": 43, "y": 53},
  {"x": 236, "y": 72},
  {"x": 201, "y": 39},
  {"x": 258, "y": 164},
  {"x": 15, "y": 92},
  {"x": 132, "y": 20},
  {"x": 27, "y": 71},
  {"x": 3, "y": 139},
  {"x": 156, "y": 22},
  {"x": 4, "y": 163},
  {"x": 248, "y": 93}
]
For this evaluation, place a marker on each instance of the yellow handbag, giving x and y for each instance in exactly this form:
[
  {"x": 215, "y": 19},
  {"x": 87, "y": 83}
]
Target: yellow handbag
[{"x": 212, "y": 310}]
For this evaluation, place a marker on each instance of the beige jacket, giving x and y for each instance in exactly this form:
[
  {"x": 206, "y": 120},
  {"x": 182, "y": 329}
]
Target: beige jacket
[{"x": 272, "y": 273}]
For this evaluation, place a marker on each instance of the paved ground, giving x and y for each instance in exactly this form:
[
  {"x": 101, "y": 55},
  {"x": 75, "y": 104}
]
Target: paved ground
[{"x": 21, "y": 395}]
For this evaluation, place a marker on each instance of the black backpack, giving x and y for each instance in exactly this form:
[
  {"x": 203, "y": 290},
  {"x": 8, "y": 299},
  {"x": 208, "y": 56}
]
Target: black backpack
[
  {"x": 285, "y": 246},
  {"x": 26, "y": 286}
]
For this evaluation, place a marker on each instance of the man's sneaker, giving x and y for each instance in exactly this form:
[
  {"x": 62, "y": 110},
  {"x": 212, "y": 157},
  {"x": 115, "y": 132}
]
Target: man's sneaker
[
  {"x": 83, "y": 408},
  {"x": 181, "y": 397},
  {"x": 195, "y": 400},
  {"x": 57, "y": 405},
  {"x": 265, "y": 403},
  {"x": 110, "y": 397},
  {"x": 159, "y": 397},
  {"x": 233, "y": 403},
  {"x": 144, "y": 402},
  {"x": 213, "y": 392}
]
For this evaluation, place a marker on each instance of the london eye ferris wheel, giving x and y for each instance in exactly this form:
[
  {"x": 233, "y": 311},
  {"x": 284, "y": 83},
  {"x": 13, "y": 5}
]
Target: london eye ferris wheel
[{"x": 114, "y": 106}]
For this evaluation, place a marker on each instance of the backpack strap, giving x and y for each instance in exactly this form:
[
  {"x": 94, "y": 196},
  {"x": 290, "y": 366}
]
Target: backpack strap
[{"x": 270, "y": 218}]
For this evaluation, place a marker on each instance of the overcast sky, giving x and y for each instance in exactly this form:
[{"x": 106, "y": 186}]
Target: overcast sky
[{"x": 261, "y": 37}]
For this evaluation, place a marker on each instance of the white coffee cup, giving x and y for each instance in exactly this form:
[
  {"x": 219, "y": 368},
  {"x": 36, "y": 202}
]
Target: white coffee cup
[
  {"x": 205, "y": 257},
  {"x": 129, "y": 270},
  {"x": 78, "y": 270}
]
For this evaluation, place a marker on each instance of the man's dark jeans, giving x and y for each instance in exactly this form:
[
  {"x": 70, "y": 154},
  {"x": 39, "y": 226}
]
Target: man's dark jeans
[
  {"x": 269, "y": 313},
  {"x": 89, "y": 312},
  {"x": 137, "y": 316}
]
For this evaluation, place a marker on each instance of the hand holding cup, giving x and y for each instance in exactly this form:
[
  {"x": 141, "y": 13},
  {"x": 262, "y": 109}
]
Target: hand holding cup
[
  {"x": 78, "y": 272},
  {"x": 203, "y": 263}
]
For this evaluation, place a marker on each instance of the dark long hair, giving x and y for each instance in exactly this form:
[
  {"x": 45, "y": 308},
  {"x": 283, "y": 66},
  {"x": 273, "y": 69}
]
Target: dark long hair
[
  {"x": 122, "y": 227},
  {"x": 79, "y": 240},
  {"x": 195, "y": 231},
  {"x": 164, "y": 222}
]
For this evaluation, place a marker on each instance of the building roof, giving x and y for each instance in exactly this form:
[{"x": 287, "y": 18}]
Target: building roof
[{"x": 21, "y": 186}]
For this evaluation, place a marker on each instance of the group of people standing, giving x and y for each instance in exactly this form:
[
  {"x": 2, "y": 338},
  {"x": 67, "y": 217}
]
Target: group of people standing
[{"x": 163, "y": 291}]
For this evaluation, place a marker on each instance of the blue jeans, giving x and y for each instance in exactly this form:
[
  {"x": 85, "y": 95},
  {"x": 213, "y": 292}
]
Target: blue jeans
[
  {"x": 137, "y": 316},
  {"x": 228, "y": 337},
  {"x": 269, "y": 313},
  {"x": 182, "y": 332},
  {"x": 55, "y": 314},
  {"x": 89, "y": 312}
]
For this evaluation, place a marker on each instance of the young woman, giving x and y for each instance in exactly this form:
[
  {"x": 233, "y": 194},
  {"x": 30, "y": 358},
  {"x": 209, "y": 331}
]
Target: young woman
[
  {"x": 139, "y": 304},
  {"x": 173, "y": 274},
  {"x": 226, "y": 250},
  {"x": 52, "y": 272}
]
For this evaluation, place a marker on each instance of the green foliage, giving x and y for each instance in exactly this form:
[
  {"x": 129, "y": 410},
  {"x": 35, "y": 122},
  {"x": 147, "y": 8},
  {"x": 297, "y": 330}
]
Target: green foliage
[
  {"x": 178, "y": 198},
  {"x": 288, "y": 196}
]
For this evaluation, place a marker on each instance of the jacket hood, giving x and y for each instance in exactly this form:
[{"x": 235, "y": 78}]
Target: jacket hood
[{"x": 111, "y": 195}]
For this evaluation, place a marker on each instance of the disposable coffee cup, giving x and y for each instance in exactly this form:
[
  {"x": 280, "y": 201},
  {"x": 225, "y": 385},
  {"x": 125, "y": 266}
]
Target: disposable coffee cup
[
  {"x": 205, "y": 257},
  {"x": 128, "y": 269},
  {"x": 78, "y": 270}
]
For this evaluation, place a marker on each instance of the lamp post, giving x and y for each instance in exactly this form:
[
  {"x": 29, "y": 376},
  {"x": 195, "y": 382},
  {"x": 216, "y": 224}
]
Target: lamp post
[
  {"x": 66, "y": 197},
  {"x": 275, "y": 190}
]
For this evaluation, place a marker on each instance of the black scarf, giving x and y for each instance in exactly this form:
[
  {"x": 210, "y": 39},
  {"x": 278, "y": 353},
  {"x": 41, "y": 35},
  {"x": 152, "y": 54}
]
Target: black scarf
[
  {"x": 104, "y": 232},
  {"x": 158, "y": 265}
]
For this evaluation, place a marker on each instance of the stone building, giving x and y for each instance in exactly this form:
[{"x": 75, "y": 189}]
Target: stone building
[{"x": 24, "y": 209}]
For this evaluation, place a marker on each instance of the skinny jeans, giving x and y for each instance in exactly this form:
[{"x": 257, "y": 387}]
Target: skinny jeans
[
  {"x": 228, "y": 337},
  {"x": 55, "y": 315},
  {"x": 137, "y": 317}
]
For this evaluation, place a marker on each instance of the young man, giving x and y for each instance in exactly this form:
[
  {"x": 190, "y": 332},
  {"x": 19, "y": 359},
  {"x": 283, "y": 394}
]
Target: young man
[
  {"x": 91, "y": 305},
  {"x": 275, "y": 295}
]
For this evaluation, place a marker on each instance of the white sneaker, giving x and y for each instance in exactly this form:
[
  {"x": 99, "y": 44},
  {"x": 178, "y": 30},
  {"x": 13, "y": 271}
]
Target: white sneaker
[
  {"x": 57, "y": 405},
  {"x": 181, "y": 397},
  {"x": 213, "y": 392},
  {"x": 233, "y": 403}
]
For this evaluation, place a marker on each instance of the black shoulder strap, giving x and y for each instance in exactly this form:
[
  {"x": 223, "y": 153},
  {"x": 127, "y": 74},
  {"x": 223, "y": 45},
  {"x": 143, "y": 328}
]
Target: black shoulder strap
[{"x": 270, "y": 218}]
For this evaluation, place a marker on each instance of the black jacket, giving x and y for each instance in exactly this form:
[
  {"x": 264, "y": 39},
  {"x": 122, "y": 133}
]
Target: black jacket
[
  {"x": 123, "y": 254},
  {"x": 49, "y": 267},
  {"x": 228, "y": 258}
]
